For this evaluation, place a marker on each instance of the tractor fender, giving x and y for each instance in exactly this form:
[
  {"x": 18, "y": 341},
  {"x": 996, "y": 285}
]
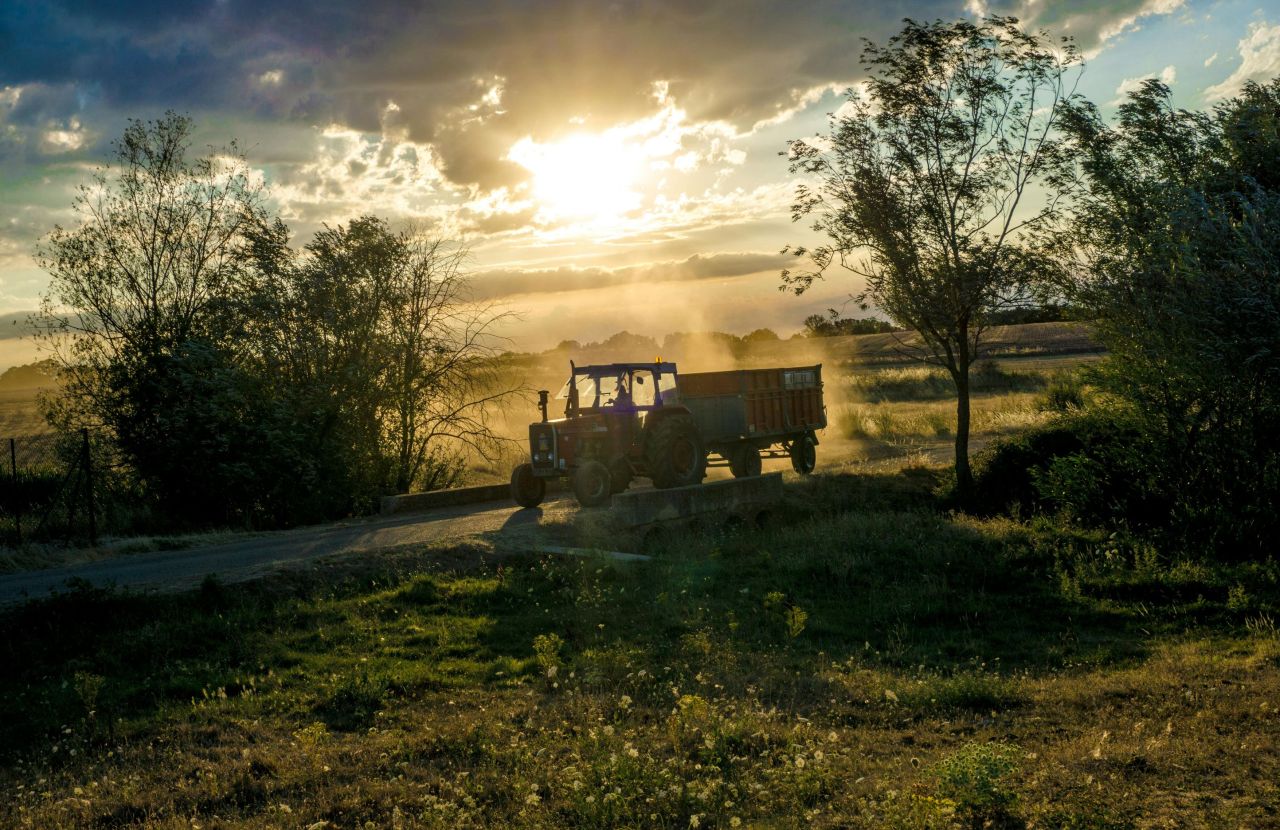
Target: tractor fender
[{"x": 658, "y": 415}]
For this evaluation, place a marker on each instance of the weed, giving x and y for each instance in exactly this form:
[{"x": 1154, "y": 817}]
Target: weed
[
  {"x": 546, "y": 649},
  {"x": 978, "y": 778}
]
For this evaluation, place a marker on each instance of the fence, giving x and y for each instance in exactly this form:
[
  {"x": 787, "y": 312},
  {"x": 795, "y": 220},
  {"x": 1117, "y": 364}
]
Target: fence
[{"x": 47, "y": 493}]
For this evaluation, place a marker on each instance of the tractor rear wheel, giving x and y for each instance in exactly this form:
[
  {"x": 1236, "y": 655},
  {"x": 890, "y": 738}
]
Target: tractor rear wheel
[
  {"x": 744, "y": 461},
  {"x": 527, "y": 489},
  {"x": 804, "y": 454},
  {"x": 674, "y": 453},
  {"x": 592, "y": 484}
]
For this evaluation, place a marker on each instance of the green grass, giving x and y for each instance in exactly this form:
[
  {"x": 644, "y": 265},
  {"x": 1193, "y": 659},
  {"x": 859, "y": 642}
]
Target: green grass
[{"x": 853, "y": 666}]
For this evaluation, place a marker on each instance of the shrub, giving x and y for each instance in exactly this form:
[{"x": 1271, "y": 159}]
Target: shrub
[
  {"x": 1064, "y": 393},
  {"x": 978, "y": 779},
  {"x": 1087, "y": 467}
]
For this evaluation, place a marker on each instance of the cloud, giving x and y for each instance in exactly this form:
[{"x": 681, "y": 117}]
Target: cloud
[
  {"x": 511, "y": 282},
  {"x": 16, "y": 325},
  {"x": 1259, "y": 61},
  {"x": 1092, "y": 23},
  {"x": 471, "y": 79},
  {"x": 1167, "y": 76}
]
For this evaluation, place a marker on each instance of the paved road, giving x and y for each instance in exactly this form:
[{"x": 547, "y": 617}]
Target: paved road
[{"x": 249, "y": 557}]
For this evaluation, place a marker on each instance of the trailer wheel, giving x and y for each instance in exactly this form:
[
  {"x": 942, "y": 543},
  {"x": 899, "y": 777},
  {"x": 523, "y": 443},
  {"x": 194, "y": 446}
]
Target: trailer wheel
[
  {"x": 675, "y": 454},
  {"x": 804, "y": 454},
  {"x": 592, "y": 484},
  {"x": 527, "y": 489},
  {"x": 744, "y": 461}
]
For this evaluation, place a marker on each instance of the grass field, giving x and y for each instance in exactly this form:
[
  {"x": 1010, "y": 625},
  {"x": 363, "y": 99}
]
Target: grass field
[{"x": 871, "y": 662}]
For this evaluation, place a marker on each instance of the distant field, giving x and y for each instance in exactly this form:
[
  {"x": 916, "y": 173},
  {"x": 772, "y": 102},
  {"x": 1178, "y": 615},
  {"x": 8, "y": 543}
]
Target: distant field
[{"x": 19, "y": 414}]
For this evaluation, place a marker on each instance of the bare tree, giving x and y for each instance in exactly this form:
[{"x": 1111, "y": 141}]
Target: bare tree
[
  {"x": 442, "y": 379},
  {"x": 932, "y": 180}
]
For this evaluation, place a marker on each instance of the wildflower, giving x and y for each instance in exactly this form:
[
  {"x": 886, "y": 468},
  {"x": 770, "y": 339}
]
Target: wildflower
[
  {"x": 625, "y": 701},
  {"x": 533, "y": 799},
  {"x": 832, "y": 737},
  {"x": 735, "y": 822},
  {"x": 799, "y": 762}
]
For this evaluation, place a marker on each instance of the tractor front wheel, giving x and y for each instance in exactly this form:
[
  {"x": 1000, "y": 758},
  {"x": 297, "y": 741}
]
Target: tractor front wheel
[
  {"x": 675, "y": 454},
  {"x": 526, "y": 488},
  {"x": 592, "y": 484}
]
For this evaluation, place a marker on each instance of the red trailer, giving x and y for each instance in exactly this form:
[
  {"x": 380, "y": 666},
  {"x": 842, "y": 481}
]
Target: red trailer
[{"x": 744, "y": 414}]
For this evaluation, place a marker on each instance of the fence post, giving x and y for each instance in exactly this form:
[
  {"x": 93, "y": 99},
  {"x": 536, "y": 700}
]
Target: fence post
[
  {"x": 88, "y": 482},
  {"x": 17, "y": 501}
]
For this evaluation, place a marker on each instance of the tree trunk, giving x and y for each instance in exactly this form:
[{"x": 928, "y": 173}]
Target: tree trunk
[{"x": 964, "y": 475}]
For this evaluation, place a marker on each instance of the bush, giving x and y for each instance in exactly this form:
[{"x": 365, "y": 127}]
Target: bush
[
  {"x": 1064, "y": 394},
  {"x": 977, "y": 779},
  {"x": 1086, "y": 467}
]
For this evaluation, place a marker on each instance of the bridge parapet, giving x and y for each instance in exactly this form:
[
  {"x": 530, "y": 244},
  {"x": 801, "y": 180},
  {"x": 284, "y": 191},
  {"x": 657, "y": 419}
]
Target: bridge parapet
[{"x": 741, "y": 498}]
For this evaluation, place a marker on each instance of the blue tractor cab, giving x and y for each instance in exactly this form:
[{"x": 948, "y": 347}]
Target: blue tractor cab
[{"x": 618, "y": 387}]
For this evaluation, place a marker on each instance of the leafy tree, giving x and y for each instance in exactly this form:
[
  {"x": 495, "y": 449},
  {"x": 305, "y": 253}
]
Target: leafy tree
[
  {"x": 143, "y": 296},
  {"x": 761, "y": 336},
  {"x": 1175, "y": 249},
  {"x": 242, "y": 381},
  {"x": 922, "y": 186},
  {"x": 387, "y": 368}
]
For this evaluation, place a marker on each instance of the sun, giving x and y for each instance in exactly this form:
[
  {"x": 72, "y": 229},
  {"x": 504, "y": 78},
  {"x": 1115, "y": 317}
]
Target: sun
[{"x": 583, "y": 176}]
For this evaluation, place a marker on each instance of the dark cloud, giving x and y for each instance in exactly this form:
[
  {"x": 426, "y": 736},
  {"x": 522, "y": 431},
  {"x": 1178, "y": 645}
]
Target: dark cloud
[
  {"x": 505, "y": 283},
  {"x": 16, "y": 325},
  {"x": 338, "y": 61}
]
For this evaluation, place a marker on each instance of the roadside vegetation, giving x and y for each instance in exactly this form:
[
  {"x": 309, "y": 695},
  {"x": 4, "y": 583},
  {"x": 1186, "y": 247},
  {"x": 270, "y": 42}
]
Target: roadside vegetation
[{"x": 888, "y": 665}]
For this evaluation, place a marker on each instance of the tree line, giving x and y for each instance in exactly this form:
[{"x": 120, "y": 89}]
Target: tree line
[{"x": 237, "y": 380}]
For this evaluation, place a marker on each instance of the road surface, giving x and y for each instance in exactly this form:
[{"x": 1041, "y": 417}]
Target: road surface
[{"x": 252, "y": 556}]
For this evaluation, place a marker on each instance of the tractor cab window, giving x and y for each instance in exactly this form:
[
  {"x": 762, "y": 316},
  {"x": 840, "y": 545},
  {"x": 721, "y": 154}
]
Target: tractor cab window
[
  {"x": 642, "y": 393},
  {"x": 666, "y": 387},
  {"x": 618, "y": 387},
  {"x": 587, "y": 390},
  {"x": 596, "y": 390}
]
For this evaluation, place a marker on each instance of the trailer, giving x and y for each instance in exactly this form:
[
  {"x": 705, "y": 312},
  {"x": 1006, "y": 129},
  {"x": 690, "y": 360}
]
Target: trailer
[
  {"x": 745, "y": 415},
  {"x": 628, "y": 420}
]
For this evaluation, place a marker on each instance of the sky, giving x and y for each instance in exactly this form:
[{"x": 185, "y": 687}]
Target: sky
[{"x": 610, "y": 165}]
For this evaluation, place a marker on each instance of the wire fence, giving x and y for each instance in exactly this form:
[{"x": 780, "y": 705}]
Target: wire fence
[{"x": 47, "y": 492}]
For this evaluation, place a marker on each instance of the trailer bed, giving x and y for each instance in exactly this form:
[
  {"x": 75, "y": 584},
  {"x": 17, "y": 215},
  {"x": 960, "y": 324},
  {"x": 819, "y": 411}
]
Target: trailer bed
[{"x": 754, "y": 404}]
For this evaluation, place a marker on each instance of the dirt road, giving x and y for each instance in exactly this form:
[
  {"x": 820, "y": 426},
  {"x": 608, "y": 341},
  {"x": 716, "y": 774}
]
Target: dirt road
[{"x": 251, "y": 557}]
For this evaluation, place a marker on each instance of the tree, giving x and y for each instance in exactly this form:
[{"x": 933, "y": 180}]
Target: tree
[
  {"x": 761, "y": 336},
  {"x": 389, "y": 371},
  {"x": 832, "y": 324},
  {"x": 1174, "y": 248},
  {"x": 143, "y": 295},
  {"x": 922, "y": 186},
  {"x": 443, "y": 374},
  {"x": 241, "y": 381}
]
